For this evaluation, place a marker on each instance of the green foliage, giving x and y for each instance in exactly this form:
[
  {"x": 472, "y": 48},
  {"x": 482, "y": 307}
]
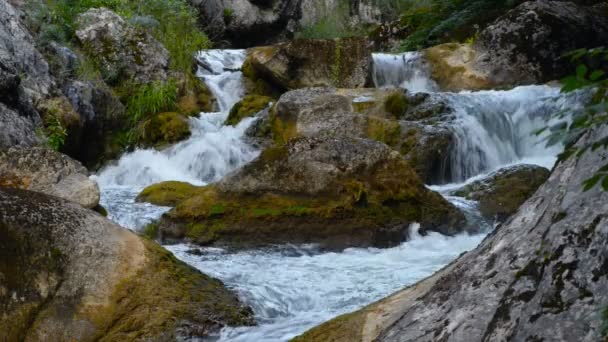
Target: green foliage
[
  {"x": 590, "y": 75},
  {"x": 396, "y": 104},
  {"x": 152, "y": 98},
  {"x": 431, "y": 22},
  {"x": 334, "y": 24},
  {"x": 151, "y": 231},
  {"x": 55, "y": 133}
]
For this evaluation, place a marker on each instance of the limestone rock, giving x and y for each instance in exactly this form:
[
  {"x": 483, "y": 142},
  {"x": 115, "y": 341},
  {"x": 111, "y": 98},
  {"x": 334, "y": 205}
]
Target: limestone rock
[
  {"x": 124, "y": 51},
  {"x": 541, "y": 275},
  {"x": 502, "y": 192},
  {"x": 313, "y": 63},
  {"x": 67, "y": 273},
  {"x": 44, "y": 170}
]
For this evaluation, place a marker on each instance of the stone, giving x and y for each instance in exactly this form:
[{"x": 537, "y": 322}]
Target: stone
[
  {"x": 44, "y": 170},
  {"x": 502, "y": 192},
  {"x": 454, "y": 67},
  {"x": 526, "y": 45},
  {"x": 540, "y": 276},
  {"x": 68, "y": 273},
  {"x": 305, "y": 63},
  {"x": 125, "y": 52},
  {"x": 339, "y": 191}
]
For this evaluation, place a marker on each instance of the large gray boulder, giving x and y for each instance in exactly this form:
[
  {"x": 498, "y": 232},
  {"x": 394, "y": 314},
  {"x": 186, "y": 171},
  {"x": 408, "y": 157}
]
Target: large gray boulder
[
  {"x": 43, "y": 170},
  {"x": 69, "y": 274},
  {"x": 541, "y": 275},
  {"x": 123, "y": 50},
  {"x": 336, "y": 190},
  {"x": 526, "y": 45}
]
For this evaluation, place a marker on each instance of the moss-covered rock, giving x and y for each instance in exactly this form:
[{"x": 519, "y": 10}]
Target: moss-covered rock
[
  {"x": 396, "y": 104},
  {"x": 312, "y": 63},
  {"x": 248, "y": 106},
  {"x": 504, "y": 191},
  {"x": 167, "y": 193},
  {"x": 194, "y": 96},
  {"x": 454, "y": 67},
  {"x": 67, "y": 273},
  {"x": 336, "y": 190},
  {"x": 163, "y": 128}
]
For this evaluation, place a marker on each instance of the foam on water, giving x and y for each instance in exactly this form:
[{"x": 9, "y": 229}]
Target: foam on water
[{"x": 292, "y": 289}]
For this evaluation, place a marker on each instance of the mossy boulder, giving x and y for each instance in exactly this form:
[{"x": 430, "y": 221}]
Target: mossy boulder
[
  {"x": 339, "y": 191},
  {"x": 67, "y": 273},
  {"x": 121, "y": 51},
  {"x": 396, "y": 104},
  {"x": 167, "y": 193},
  {"x": 304, "y": 63},
  {"x": 194, "y": 96},
  {"x": 163, "y": 128},
  {"x": 454, "y": 67},
  {"x": 47, "y": 171},
  {"x": 504, "y": 191},
  {"x": 247, "y": 107}
]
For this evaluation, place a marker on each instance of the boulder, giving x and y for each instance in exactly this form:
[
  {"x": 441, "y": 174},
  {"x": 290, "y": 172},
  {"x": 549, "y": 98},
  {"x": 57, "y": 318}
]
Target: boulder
[
  {"x": 18, "y": 52},
  {"x": 541, "y": 275},
  {"x": 313, "y": 63},
  {"x": 526, "y": 45},
  {"x": 249, "y": 106},
  {"x": 163, "y": 129},
  {"x": 124, "y": 52},
  {"x": 247, "y": 23},
  {"x": 44, "y": 170},
  {"x": 102, "y": 117},
  {"x": 16, "y": 129},
  {"x": 454, "y": 67},
  {"x": 69, "y": 274},
  {"x": 502, "y": 192},
  {"x": 338, "y": 191}
]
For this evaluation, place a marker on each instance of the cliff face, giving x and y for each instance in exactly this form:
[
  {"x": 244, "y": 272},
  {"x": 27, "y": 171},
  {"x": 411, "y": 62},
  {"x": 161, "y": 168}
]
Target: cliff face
[{"x": 542, "y": 276}]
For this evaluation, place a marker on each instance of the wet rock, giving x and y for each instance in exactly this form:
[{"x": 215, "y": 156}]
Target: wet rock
[
  {"x": 454, "y": 67},
  {"x": 123, "y": 51},
  {"x": 249, "y": 106},
  {"x": 163, "y": 129},
  {"x": 313, "y": 63},
  {"x": 526, "y": 45},
  {"x": 339, "y": 191},
  {"x": 502, "y": 192},
  {"x": 540, "y": 276},
  {"x": 67, "y": 273},
  {"x": 44, "y": 170}
]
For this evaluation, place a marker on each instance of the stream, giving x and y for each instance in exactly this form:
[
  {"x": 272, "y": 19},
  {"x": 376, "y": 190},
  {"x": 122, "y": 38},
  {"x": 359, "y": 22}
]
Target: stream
[{"x": 293, "y": 288}]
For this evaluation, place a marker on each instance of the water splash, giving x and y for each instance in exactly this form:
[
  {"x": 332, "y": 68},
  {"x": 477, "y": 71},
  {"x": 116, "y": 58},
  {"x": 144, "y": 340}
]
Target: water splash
[{"x": 292, "y": 289}]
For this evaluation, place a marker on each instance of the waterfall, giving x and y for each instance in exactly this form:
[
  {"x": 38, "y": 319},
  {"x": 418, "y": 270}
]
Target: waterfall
[
  {"x": 407, "y": 70},
  {"x": 212, "y": 150}
]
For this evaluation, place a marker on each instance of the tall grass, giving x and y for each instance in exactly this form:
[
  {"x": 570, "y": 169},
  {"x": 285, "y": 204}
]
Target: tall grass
[{"x": 152, "y": 98}]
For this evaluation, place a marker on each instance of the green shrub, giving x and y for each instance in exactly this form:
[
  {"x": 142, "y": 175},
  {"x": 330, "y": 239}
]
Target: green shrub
[
  {"x": 55, "y": 133},
  {"x": 228, "y": 15},
  {"x": 334, "y": 24}
]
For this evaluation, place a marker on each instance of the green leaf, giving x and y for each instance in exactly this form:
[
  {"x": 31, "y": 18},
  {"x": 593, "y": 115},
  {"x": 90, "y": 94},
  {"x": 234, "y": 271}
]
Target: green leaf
[
  {"x": 596, "y": 75},
  {"x": 590, "y": 183},
  {"x": 605, "y": 183},
  {"x": 604, "y": 168},
  {"x": 539, "y": 131},
  {"x": 581, "y": 71}
]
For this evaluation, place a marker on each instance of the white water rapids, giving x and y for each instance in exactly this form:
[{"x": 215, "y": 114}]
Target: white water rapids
[{"x": 293, "y": 288}]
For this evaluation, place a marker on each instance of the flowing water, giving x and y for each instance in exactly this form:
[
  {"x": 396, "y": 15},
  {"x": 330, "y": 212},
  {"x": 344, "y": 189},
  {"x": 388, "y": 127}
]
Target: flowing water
[{"x": 293, "y": 288}]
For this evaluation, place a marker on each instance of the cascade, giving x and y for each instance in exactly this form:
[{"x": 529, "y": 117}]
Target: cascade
[{"x": 293, "y": 288}]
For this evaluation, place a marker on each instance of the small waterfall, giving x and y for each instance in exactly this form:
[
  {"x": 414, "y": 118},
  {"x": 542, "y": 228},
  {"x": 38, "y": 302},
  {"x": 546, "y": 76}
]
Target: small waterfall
[
  {"x": 407, "y": 70},
  {"x": 212, "y": 151},
  {"x": 496, "y": 128}
]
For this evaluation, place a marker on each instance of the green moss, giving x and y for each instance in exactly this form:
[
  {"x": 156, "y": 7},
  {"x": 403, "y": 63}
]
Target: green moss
[
  {"x": 282, "y": 130},
  {"x": 248, "y": 106},
  {"x": 347, "y": 327},
  {"x": 396, "y": 104},
  {"x": 101, "y": 210},
  {"x": 167, "y": 193},
  {"x": 162, "y": 294},
  {"x": 386, "y": 131},
  {"x": 163, "y": 128},
  {"x": 151, "y": 231}
]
